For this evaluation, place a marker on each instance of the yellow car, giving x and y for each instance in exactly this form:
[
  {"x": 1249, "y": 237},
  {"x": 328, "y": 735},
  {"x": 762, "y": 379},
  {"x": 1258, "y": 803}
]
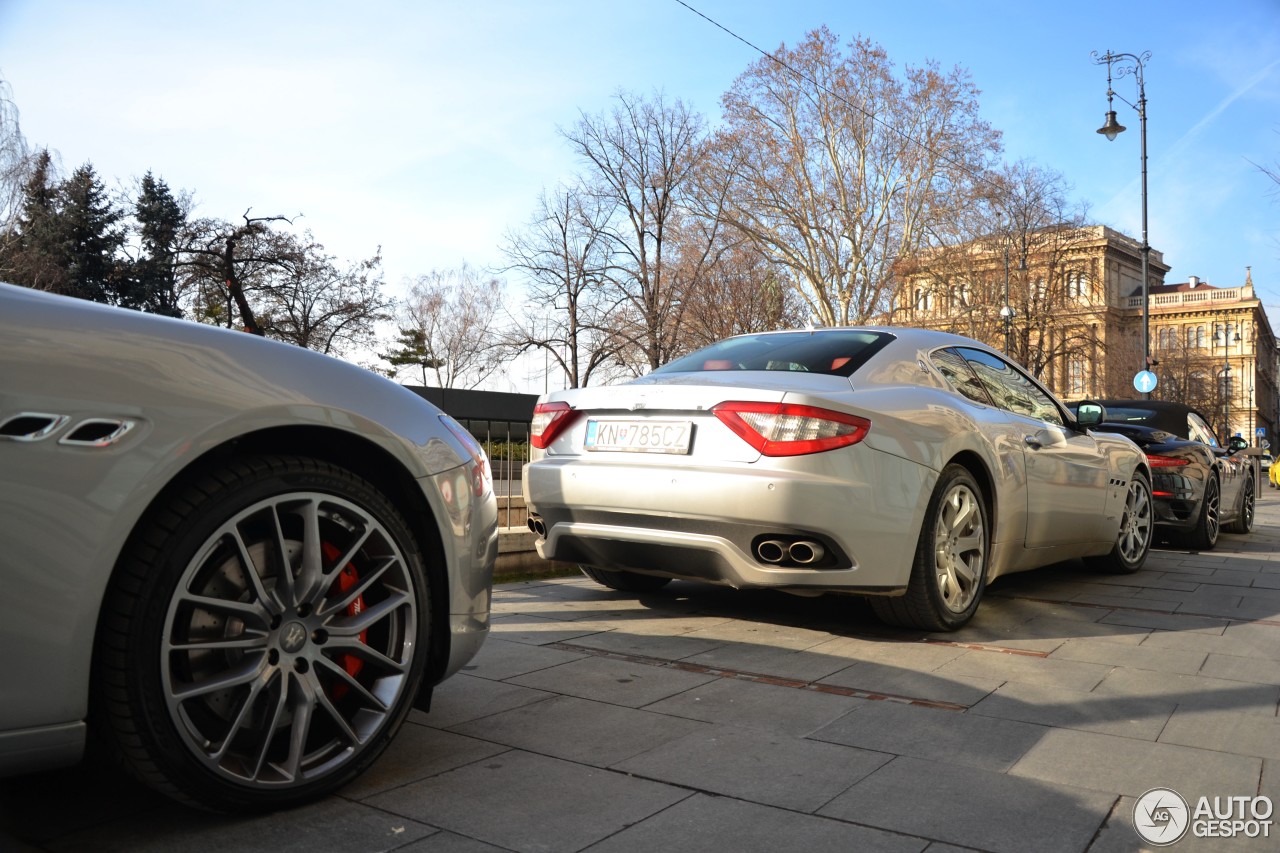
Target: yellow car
[{"x": 1271, "y": 475}]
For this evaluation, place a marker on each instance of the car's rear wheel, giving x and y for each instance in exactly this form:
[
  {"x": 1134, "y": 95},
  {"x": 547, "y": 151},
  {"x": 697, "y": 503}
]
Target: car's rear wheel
[
  {"x": 624, "y": 581},
  {"x": 1244, "y": 519},
  {"x": 264, "y": 635},
  {"x": 1133, "y": 541},
  {"x": 950, "y": 568},
  {"x": 1204, "y": 536}
]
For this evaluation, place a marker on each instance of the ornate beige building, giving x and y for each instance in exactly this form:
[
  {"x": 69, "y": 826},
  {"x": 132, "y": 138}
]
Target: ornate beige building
[{"x": 1067, "y": 304}]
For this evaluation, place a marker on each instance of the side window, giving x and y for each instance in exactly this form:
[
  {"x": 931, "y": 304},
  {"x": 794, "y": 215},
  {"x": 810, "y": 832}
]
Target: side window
[
  {"x": 1199, "y": 430},
  {"x": 1010, "y": 388},
  {"x": 957, "y": 371}
]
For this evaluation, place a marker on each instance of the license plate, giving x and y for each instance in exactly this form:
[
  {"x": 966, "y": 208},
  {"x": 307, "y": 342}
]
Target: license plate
[{"x": 639, "y": 436}]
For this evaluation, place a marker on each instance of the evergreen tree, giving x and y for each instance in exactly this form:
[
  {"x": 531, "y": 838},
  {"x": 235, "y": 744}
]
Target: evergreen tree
[
  {"x": 34, "y": 255},
  {"x": 91, "y": 238},
  {"x": 152, "y": 283},
  {"x": 413, "y": 349}
]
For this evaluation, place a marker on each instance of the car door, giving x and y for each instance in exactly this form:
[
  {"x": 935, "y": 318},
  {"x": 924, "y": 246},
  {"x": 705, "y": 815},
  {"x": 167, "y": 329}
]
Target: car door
[
  {"x": 1232, "y": 470},
  {"x": 1068, "y": 473}
]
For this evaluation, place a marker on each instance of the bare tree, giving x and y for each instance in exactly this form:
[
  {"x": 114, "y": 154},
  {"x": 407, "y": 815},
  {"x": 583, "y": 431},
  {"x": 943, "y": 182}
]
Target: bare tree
[
  {"x": 564, "y": 256},
  {"x": 641, "y": 158},
  {"x": 228, "y": 264},
  {"x": 449, "y": 315},
  {"x": 1023, "y": 244},
  {"x": 314, "y": 303},
  {"x": 738, "y": 292},
  {"x": 15, "y": 161},
  {"x": 839, "y": 166},
  {"x": 1187, "y": 372}
]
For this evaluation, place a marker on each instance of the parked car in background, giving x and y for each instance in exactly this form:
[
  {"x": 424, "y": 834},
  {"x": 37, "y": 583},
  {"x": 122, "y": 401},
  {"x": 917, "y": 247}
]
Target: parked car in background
[
  {"x": 239, "y": 563},
  {"x": 1199, "y": 487},
  {"x": 909, "y": 465},
  {"x": 1271, "y": 475}
]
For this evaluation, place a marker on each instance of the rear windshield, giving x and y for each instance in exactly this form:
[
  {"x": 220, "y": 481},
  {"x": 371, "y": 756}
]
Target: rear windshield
[{"x": 835, "y": 352}]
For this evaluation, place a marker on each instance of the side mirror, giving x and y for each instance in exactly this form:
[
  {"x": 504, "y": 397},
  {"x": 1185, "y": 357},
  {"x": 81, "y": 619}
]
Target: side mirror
[
  {"x": 1237, "y": 443},
  {"x": 1090, "y": 414}
]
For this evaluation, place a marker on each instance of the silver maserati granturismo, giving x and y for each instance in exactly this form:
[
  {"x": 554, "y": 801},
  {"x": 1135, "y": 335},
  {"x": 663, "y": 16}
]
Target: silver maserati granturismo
[
  {"x": 910, "y": 466},
  {"x": 237, "y": 563}
]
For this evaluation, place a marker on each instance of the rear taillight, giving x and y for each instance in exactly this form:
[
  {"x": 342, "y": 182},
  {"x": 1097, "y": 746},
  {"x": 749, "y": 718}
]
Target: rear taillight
[
  {"x": 1158, "y": 461},
  {"x": 549, "y": 420},
  {"x": 784, "y": 429}
]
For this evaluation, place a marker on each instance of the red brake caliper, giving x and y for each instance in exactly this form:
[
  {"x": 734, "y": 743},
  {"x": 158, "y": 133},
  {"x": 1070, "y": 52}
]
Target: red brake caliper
[{"x": 347, "y": 578}]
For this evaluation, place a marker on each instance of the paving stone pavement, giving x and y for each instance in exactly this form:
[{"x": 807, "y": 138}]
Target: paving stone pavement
[{"x": 704, "y": 719}]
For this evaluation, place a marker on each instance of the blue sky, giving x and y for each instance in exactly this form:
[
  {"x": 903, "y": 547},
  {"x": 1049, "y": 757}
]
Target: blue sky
[{"x": 429, "y": 128}]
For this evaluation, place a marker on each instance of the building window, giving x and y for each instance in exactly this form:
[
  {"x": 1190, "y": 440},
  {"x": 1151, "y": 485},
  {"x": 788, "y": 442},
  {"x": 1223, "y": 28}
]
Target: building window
[
  {"x": 1076, "y": 378},
  {"x": 1195, "y": 337},
  {"x": 1199, "y": 384},
  {"x": 924, "y": 299},
  {"x": 1077, "y": 284},
  {"x": 1038, "y": 290}
]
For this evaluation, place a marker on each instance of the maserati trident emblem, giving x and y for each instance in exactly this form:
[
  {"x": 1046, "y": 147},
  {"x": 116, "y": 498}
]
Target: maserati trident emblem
[{"x": 294, "y": 637}]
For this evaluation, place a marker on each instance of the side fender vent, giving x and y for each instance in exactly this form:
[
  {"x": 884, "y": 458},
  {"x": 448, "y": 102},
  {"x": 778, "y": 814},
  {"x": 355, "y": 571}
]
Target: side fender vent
[
  {"x": 97, "y": 432},
  {"x": 31, "y": 426}
]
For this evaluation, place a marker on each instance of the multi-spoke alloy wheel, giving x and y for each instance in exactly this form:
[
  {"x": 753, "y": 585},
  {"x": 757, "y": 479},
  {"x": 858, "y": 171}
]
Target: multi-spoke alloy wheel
[
  {"x": 1204, "y": 536},
  {"x": 950, "y": 568},
  {"x": 959, "y": 547},
  {"x": 1133, "y": 542},
  {"x": 1244, "y": 519},
  {"x": 283, "y": 632}
]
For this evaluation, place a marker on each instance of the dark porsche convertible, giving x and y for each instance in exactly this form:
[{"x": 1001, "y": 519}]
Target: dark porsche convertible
[{"x": 1199, "y": 488}]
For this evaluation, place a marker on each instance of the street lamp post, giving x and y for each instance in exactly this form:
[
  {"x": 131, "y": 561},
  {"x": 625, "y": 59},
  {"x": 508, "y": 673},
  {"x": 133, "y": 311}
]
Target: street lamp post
[
  {"x": 1007, "y": 311},
  {"x": 1226, "y": 381},
  {"x": 1110, "y": 129}
]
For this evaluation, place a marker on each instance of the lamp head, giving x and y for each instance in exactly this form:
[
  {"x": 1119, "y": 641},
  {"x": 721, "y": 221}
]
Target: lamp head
[{"x": 1111, "y": 128}]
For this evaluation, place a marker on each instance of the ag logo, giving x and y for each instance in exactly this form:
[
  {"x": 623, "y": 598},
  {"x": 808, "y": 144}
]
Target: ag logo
[{"x": 1161, "y": 816}]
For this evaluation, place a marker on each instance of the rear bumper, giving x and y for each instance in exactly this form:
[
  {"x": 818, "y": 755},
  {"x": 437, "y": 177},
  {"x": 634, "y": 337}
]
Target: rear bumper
[{"x": 865, "y": 509}]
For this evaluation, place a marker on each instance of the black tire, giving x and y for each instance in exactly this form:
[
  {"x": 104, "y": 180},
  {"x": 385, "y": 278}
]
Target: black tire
[
  {"x": 1243, "y": 522},
  {"x": 624, "y": 581},
  {"x": 1137, "y": 528},
  {"x": 950, "y": 568},
  {"x": 211, "y": 661},
  {"x": 1204, "y": 536}
]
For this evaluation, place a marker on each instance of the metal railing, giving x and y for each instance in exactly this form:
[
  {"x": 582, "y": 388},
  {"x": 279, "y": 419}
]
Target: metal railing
[{"x": 507, "y": 444}]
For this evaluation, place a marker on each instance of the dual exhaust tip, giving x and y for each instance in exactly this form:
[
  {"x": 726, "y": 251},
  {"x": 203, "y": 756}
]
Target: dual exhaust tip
[{"x": 803, "y": 552}]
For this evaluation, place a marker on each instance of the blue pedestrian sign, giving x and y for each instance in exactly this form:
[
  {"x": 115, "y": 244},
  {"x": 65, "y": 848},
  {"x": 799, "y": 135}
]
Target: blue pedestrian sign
[{"x": 1145, "y": 381}]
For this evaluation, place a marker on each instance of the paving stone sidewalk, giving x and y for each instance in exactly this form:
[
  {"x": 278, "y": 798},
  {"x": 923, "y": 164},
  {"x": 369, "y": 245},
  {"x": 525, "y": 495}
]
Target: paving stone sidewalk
[{"x": 703, "y": 719}]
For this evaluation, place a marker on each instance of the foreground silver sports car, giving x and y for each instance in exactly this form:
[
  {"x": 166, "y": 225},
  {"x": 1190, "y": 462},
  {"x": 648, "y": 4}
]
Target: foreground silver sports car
[
  {"x": 239, "y": 562},
  {"x": 910, "y": 465}
]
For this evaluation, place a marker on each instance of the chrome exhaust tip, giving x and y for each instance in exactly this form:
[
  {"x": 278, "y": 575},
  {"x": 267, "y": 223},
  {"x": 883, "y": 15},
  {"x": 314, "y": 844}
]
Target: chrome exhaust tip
[
  {"x": 771, "y": 551},
  {"x": 805, "y": 552},
  {"x": 537, "y": 526}
]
